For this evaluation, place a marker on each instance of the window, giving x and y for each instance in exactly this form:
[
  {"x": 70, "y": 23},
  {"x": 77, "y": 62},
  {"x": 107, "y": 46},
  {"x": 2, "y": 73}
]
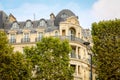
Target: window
[
  {"x": 64, "y": 15},
  {"x": 28, "y": 24},
  {"x": 26, "y": 38},
  {"x": 79, "y": 57},
  {"x": 63, "y": 32},
  {"x": 78, "y": 35},
  {"x": 15, "y": 26},
  {"x": 26, "y": 35},
  {"x": 73, "y": 67},
  {"x": 40, "y": 35},
  {"x": 56, "y": 33},
  {"x": 73, "y": 55},
  {"x": 12, "y": 38},
  {"x": 72, "y": 34},
  {"x": 42, "y": 23},
  {"x": 79, "y": 71}
]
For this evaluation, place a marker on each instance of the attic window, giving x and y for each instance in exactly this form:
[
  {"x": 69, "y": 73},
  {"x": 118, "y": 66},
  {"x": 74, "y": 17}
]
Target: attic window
[
  {"x": 28, "y": 24},
  {"x": 15, "y": 26},
  {"x": 64, "y": 15},
  {"x": 42, "y": 23}
]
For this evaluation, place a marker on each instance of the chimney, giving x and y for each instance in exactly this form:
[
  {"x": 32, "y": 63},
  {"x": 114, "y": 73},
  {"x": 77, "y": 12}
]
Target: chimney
[{"x": 52, "y": 16}]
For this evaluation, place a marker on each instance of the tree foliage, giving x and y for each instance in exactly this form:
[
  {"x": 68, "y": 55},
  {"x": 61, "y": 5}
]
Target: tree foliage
[
  {"x": 106, "y": 40},
  {"x": 50, "y": 59},
  {"x": 13, "y": 65}
]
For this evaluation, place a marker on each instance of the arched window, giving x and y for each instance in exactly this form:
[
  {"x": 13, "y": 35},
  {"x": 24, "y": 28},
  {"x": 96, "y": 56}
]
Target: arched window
[
  {"x": 72, "y": 32},
  {"x": 56, "y": 33},
  {"x": 15, "y": 26},
  {"x": 42, "y": 23},
  {"x": 28, "y": 24}
]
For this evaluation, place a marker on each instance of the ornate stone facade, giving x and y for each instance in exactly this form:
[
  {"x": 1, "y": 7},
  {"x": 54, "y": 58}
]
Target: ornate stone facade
[{"x": 64, "y": 26}]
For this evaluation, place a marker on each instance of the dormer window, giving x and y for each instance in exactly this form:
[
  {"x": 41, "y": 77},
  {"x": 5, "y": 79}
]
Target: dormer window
[
  {"x": 28, "y": 24},
  {"x": 64, "y": 15},
  {"x": 15, "y": 26},
  {"x": 42, "y": 23},
  {"x": 56, "y": 33}
]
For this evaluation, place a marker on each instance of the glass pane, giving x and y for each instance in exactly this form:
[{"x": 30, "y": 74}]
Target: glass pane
[{"x": 28, "y": 24}]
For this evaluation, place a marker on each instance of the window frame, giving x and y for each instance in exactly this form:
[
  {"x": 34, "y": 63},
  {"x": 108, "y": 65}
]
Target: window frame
[{"x": 15, "y": 25}]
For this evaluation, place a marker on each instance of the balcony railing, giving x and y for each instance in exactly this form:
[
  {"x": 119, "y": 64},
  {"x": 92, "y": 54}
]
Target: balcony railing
[
  {"x": 38, "y": 39},
  {"x": 70, "y": 38},
  {"x": 12, "y": 40},
  {"x": 25, "y": 40}
]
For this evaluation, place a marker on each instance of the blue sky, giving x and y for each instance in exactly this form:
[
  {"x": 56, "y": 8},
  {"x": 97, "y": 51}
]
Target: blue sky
[
  {"x": 16, "y": 3},
  {"x": 88, "y": 11}
]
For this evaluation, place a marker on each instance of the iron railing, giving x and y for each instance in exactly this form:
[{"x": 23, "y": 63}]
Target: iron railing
[
  {"x": 25, "y": 40},
  {"x": 70, "y": 38},
  {"x": 38, "y": 39},
  {"x": 12, "y": 40}
]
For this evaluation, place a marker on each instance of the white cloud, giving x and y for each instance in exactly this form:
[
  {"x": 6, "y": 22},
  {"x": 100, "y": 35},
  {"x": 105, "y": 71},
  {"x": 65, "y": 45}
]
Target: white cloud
[
  {"x": 106, "y": 9},
  {"x": 101, "y": 9}
]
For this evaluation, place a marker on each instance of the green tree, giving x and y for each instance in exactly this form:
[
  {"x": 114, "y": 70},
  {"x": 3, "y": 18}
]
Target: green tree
[
  {"x": 13, "y": 65},
  {"x": 106, "y": 40},
  {"x": 50, "y": 59}
]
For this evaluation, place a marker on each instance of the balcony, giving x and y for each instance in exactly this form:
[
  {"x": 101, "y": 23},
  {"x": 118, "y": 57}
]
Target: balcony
[
  {"x": 71, "y": 38},
  {"x": 38, "y": 39},
  {"x": 25, "y": 40},
  {"x": 12, "y": 41}
]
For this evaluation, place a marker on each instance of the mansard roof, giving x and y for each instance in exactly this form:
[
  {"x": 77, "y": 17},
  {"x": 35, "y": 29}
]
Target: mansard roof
[
  {"x": 3, "y": 19},
  {"x": 50, "y": 23}
]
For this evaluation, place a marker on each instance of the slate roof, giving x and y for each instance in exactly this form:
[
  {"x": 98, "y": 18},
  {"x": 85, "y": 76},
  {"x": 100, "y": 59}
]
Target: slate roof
[
  {"x": 50, "y": 23},
  {"x": 3, "y": 19},
  {"x": 59, "y": 18}
]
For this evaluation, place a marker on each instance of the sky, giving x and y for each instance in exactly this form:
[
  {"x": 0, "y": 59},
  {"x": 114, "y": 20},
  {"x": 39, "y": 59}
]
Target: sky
[{"x": 88, "y": 11}]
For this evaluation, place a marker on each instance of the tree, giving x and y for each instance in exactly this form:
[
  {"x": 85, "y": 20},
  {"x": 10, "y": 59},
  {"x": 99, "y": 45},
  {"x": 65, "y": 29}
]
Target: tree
[
  {"x": 13, "y": 65},
  {"x": 50, "y": 59},
  {"x": 106, "y": 40}
]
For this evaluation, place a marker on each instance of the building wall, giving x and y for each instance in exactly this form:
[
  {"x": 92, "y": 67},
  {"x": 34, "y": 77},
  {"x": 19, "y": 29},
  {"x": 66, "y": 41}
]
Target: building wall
[{"x": 69, "y": 29}]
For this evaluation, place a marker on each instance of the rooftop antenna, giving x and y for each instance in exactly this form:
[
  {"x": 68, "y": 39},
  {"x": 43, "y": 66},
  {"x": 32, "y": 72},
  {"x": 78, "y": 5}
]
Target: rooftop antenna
[{"x": 34, "y": 16}]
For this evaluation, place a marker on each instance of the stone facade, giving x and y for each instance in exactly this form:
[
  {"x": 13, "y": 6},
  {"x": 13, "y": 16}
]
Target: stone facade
[{"x": 64, "y": 25}]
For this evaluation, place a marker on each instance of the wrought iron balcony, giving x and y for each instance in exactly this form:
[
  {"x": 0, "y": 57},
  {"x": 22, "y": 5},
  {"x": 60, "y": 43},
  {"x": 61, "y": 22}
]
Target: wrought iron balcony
[
  {"x": 71, "y": 38},
  {"x": 25, "y": 40},
  {"x": 12, "y": 40},
  {"x": 38, "y": 39}
]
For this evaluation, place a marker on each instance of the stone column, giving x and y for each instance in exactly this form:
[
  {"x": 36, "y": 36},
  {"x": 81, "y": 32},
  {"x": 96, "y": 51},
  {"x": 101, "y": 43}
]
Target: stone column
[
  {"x": 77, "y": 70},
  {"x": 76, "y": 52}
]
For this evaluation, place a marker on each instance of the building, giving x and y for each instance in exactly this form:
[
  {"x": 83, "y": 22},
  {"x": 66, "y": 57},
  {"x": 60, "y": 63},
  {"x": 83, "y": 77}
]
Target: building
[{"x": 64, "y": 25}]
